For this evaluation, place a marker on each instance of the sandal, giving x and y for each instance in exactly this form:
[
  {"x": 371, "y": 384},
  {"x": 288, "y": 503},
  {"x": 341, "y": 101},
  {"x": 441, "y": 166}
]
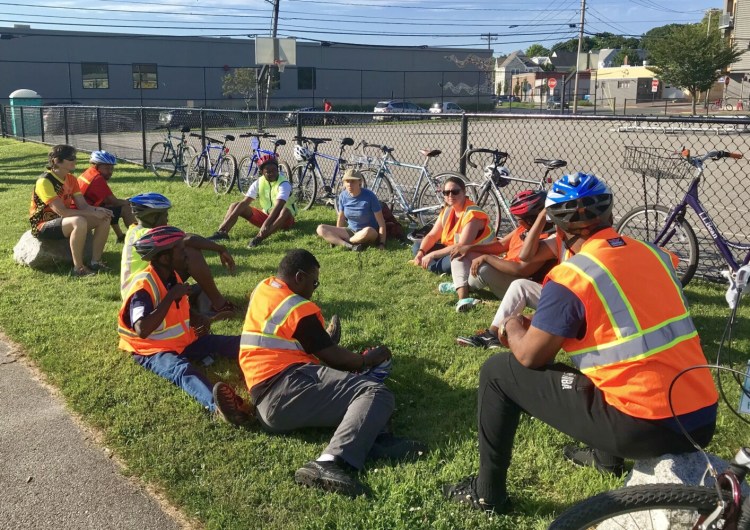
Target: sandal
[
  {"x": 465, "y": 304},
  {"x": 81, "y": 272},
  {"x": 99, "y": 266}
]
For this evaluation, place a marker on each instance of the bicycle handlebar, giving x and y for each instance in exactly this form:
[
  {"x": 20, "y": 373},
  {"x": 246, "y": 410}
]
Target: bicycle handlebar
[
  {"x": 499, "y": 156},
  {"x": 311, "y": 139},
  {"x": 257, "y": 135},
  {"x": 383, "y": 148},
  {"x": 227, "y": 138},
  {"x": 713, "y": 155}
]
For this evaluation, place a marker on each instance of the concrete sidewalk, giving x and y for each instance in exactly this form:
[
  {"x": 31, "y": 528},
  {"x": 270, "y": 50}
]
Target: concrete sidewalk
[{"x": 52, "y": 476}]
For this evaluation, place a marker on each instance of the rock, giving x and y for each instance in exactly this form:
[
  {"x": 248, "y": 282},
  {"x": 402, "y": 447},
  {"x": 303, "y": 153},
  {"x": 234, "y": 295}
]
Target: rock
[
  {"x": 41, "y": 254},
  {"x": 686, "y": 468}
]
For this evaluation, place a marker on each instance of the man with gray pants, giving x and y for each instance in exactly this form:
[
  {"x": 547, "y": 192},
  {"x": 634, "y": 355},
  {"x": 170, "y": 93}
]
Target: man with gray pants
[{"x": 283, "y": 342}]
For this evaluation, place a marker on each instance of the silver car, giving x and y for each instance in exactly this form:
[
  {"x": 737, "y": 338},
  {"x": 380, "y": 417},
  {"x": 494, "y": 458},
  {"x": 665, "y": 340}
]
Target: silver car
[{"x": 387, "y": 110}]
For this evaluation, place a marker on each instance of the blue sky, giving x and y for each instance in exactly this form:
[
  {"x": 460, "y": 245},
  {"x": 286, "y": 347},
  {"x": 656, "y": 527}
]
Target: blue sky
[{"x": 509, "y": 25}]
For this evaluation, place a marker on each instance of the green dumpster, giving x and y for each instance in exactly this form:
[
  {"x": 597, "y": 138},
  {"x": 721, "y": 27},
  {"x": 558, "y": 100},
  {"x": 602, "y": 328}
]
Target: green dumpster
[{"x": 25, "y": 122}]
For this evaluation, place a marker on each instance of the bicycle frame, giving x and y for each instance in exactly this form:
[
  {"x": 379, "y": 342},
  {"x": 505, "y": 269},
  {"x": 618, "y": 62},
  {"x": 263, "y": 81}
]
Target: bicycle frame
[{"x": 384, "y": 172}]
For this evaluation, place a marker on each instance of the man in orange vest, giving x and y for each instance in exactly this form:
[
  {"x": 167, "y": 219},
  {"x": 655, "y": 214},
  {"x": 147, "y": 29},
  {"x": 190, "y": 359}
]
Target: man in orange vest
[
  {"x": 283, "y": 344},
  {"x": 617, "y": 309},
  {"x": 163, "y": 335}
]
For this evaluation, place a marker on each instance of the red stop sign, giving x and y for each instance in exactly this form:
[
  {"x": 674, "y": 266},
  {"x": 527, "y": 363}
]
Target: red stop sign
[{"x": 552, "y": 82}]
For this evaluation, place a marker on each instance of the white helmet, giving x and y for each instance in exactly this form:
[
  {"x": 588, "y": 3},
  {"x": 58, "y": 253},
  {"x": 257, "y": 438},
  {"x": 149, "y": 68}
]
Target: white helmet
[
  {"x": 302, "y": 153},
  {"x": 103, "y": 157}
]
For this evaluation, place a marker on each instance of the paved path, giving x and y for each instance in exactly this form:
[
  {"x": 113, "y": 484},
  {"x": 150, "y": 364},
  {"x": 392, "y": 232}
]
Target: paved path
[{"x": 51, "y": 475}]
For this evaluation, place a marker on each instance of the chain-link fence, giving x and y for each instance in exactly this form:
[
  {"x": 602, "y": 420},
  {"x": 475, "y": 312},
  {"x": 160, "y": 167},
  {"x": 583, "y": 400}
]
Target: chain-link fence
[{"x": 591, "y": 144}]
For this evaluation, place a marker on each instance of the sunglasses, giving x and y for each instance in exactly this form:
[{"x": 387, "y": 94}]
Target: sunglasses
[
  {"x": 454, "y": 192},
  {"x": 315, "y": 284}
]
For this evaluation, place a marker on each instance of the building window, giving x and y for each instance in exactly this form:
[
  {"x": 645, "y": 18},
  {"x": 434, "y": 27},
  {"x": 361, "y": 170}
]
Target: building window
[
  {"x": 95, "y": 75},
  {"x": 144, "y": 76},
  {"x": 623, "y": 84},
  {"x": 306, "y": 78}
]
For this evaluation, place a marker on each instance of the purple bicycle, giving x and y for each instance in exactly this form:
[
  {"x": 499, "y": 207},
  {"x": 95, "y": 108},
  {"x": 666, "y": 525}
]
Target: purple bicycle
[{"x": 667, "y": 227}]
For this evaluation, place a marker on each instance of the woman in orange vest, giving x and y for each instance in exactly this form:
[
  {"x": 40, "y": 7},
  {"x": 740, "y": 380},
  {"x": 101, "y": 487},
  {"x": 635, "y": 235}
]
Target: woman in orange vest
[{"x": 617, "y": 309}]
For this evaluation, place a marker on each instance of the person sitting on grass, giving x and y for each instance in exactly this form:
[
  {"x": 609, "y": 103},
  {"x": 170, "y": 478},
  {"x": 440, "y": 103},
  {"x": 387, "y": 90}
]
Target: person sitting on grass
[
  {"x": 283, "y": 345},
  {"x": 95, "y": 188},
  {"x": 360, "y": 220},
  {"x": 617, "y": 308},
  {"x": 460, "y": 222},
  {"x": 157, "y": 326},
  {"x": 59, "y": 211},
  {"x": 152, "y": 210},
  {"x": 272, "y": 193}
]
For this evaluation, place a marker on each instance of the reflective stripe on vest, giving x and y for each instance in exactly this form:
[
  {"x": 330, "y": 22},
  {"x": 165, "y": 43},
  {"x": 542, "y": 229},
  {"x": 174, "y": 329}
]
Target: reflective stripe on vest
[
  {"x": 484, "y": 237},
  {"x": 130, "y": 258},
  {"x": 278, "y": 317},
  {"x": 261, "y": 340}
]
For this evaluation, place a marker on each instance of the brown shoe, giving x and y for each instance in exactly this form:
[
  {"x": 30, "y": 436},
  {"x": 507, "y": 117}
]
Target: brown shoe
[{"x": 230, "y": 407}]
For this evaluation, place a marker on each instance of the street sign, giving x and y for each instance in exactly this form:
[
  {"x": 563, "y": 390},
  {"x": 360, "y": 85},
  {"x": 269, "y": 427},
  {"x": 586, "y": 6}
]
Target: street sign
[
  {"x": 552, "y": 82},
  {"x": 654, "y": 85}
]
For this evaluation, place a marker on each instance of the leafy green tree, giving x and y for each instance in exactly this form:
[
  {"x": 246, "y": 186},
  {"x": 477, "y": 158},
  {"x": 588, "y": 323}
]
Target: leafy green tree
[
  {"x": 634, "y": 59},
  {"x": 653, "y": 36},
  {"x": 537, "y": 50},
  {"x": 690, "y": 59},
  {"x": 242, "y": 82}
]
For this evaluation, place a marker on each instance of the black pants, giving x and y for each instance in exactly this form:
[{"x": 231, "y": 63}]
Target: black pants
[{"x": 567, "y": 400}]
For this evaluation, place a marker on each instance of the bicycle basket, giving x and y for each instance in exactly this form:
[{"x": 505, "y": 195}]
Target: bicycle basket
[
  {"x": 656, "y": 162},
  {"x": 302, "y": 153}
]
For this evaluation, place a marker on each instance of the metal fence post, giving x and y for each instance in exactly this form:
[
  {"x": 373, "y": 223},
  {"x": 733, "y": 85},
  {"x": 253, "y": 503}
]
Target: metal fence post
[
  {"x": 299, "y": 125},
  {"x": 203, "y": 127},
  {"x": 625, "y": 107},
  {"x": 666, "y": 104},
  {"x": 41, "y": 122},
  {"x": 3, "y": 124},
  {"x": 464, "y": 143},
  {"x": 143, "y": 135},
  {"x": 23, "y": 125},
  {"x": 65, "y": 124},
  {"x": 99, "y": 127}
]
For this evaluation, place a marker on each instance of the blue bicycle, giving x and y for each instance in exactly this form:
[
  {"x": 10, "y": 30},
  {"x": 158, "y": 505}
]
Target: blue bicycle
[
  {"x": 248, "y": 168},
  {"x": 222, "y": 171},
  {"x": 307, "y": 175}
]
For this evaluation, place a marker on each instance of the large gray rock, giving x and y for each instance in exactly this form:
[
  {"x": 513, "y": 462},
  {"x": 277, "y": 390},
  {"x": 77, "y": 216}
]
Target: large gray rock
[{"x": 41, "y": 254}]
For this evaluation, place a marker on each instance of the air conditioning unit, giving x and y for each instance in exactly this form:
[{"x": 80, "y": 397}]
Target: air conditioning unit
[{"x": 726, "y": 21}]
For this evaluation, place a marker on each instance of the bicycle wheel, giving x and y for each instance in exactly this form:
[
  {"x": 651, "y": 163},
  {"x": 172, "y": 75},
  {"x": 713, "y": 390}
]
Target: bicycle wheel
[
  {"x": 285, "y": 170},
  {"x": 682, "y": 242},
  {"x": 188, "y": 152},
  {"x": 381, "y": 187},
  {"x": 672, "y": 506},
  {"x": 247, "y": 172},
  {"x": 225, "y": 175},
  {"x": 305, "y": 185},
  {"x": 196, "y": 171},
  {"x": 728, "y": 106},
  {"x": 162, "y": 159},
  {"x": 430, "y": 200},
  {"x": 486, "y": 198}
]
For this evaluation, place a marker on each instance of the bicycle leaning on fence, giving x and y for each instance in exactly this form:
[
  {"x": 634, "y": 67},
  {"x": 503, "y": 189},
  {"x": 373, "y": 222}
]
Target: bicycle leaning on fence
[
  {"x": 222, "y": 170},
  {"x": 668, "y": 227},
  {"x": 307, "y": 176},
  {"x": 248, "y": 167},
  {"x": 489, "y": 194},
  {"x": 721, "y": 104},
  {"x": 171, "y": 155},
  {"x": 423, "y": 204}
]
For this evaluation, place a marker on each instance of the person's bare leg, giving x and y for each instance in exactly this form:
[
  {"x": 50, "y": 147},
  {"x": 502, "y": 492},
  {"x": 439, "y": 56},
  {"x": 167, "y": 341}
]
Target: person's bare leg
[
  {"x": 127, "y": 215},
  {"x": 235, "y": 211},
  {"x": 101, "y": 233},
  {"x": 118, "y": 231},
  {"x": 364, "y": 236},
  {"x": 75, "y": 228},
  {"x": 280, "y": 223},
  {"x": 335, "y": 235},
  {"x": 195, "y": 265}
]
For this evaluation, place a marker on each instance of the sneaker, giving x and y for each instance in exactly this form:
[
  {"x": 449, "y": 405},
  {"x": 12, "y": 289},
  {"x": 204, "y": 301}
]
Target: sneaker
[
  {"x": 466, "y": 304},
  {"x": 328, "y": 476},
  {"x": 230, "y": 407},
  {"x": 605, "y": 463},
  {"x": 359, "y": 247},
  {"x": 219, "y": 235},
  {"x": 390, "y": 447},
  {"x": 465, "y": 492},
  {"x": 81, "y": 272},
  {"x": 483, "y": 339},
  {"x": 334, "y": 329},
  {"x": 446, "y": 288},
  {"x": 254, "y": 242},
  {"x": 99, "y": 266}
]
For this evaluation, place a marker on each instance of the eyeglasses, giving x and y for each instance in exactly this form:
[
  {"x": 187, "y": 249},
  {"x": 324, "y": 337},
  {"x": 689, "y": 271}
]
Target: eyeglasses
[
  {"x": 454, "y": 192},
  {"x": 315, "y": 284}
]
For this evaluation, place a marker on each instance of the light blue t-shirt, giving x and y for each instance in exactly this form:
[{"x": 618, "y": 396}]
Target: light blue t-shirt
[{"x": 360, "y": 210}]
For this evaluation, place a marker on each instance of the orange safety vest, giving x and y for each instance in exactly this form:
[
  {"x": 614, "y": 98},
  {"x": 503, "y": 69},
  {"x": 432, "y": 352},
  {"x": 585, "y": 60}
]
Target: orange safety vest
[
  {"x": 454, "y": 223},
  {"x": 85, "y": 180},
  {"x": 173, "y": 334},
  {"x": 268, "y": 346},
  {"x": 639, "y": 333}
]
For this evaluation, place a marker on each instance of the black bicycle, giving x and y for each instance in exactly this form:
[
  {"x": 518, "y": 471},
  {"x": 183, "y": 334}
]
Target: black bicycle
[{"x": 171, "y": 155}]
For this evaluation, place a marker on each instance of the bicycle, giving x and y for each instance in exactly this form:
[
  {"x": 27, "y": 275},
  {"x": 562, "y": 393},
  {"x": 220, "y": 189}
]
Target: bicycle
[
  {"x": 489, "y": 195},
  {"x": 668, "y": 227},
  {"x": 426, "y": 201},
  {"x": 721, "y": 104},
  {"x": 308, "y": 175},
  {"x": 222, "y": 171},
  {"x": 171, "y": 155},
  {"x": 248, "y": 167}
]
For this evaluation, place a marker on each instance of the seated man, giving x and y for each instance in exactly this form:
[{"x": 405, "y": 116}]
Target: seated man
[
  {"x": 152, "y": 210},
  {"x": 157, "y": 326},
  {"x": 628, "y": 332},
  {"x": 274, "y": 213},
  {"x": 283, "y": 343},
  {"x": 96, "y": 191},
  {"x": 360, "y": 220}
]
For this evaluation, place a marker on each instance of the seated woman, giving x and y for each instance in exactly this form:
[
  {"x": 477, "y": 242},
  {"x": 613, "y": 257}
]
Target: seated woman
[
  {"x": 461, "y": 222},
  {"x": 360, "y": 219},
  {"x": 59, "y": 211}
]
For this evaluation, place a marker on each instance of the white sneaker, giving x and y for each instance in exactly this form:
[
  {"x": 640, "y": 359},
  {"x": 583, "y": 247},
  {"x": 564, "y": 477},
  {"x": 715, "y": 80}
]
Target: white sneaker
[{"x": 466, "y": 304}]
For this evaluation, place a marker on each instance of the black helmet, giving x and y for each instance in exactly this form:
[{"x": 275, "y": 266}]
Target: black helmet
[{"x": 579, "y": 201}]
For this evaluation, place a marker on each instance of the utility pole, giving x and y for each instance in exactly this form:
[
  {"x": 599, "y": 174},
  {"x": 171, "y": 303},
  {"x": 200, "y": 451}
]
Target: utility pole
[
  {"x": 274, "y": 31},
  {"x": 578, "y": 56},
  {"x": 490, "y": 38}
]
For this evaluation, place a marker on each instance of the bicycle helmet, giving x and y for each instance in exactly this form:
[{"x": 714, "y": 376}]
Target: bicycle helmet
[
  {"x": 528, "y": 203},
  {"x": 103, "y": 157},
  {"x": 498, "y": 175},
  {"x": 266, "y": 159},
  {"x": 147, "y": 202},
  {"x": 158, "y": 240},
  {"x": 301, "y": 153},
  {"x": 579, "y": 201}
]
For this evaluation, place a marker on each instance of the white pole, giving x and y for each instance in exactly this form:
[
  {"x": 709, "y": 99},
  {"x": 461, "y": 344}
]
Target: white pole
[{"x": 578, "y": 55}]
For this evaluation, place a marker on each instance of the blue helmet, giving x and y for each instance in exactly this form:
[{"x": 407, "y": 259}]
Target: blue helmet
[
  {"x": 149, "y": 202},
  {"x": 103, "y": 157},
  {"x": 579, "y": 201}
]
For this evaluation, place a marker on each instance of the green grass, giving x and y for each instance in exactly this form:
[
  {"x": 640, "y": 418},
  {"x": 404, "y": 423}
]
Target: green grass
[{"x": 229, "y": 478}]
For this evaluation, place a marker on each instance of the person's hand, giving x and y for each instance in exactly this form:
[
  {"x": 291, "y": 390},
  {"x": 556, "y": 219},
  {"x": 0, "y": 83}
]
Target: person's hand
[
  {"x": 375, "y": 356},
  {"x": 200, "y": 324},
  {"x": 426, "y": 259},
  {"x": 459, "y": 251},
  {"x": 502, "y": 333},
  {"x": 178, "y": 290},
  {"x": 102, "y": 213},
  {"x": 476, "y": 263},
  {"x": 227, "y": 261}
]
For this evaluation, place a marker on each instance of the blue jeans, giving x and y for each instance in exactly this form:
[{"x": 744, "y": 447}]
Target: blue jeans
[
  {"x": 178, "y": 369},
  {"x": 438, "y": 266}
]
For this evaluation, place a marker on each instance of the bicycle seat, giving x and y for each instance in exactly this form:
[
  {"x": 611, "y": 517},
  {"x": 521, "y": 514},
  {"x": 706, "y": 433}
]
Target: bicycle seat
[
  {"x": 257, "y": 135},
  {"x": 229, "y": 138},
  {"x": 428, "y": 153},
  {"x": 185, "y": 129},
  {"x": 347, "y": 141},
  {"x": 280, "y": 141},
  {"x": 550, "y": 163}
]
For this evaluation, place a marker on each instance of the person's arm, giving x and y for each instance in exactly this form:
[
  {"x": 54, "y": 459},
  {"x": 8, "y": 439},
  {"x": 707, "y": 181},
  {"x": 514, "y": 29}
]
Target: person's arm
[
  {"x": 531, "y": 243},
  {"x": 340, "y": 358},
  {"x": 341, "y": 219},
  {"x": 468, "y": 233},
  {"x": 382, "y": 233},
  {"x": 146, "y": 325},
  {"x": 82, "y": 208},
  {"x": 428, "y": 241},
  {"x": 111, "y": 200},
  {"x": 278, "y": 207},
  {"x": 496, "y": 248},
  {"x": 531, "y": 347},
  {"x": 201, "y": 243},
  {"x": 513, "y": 268}
]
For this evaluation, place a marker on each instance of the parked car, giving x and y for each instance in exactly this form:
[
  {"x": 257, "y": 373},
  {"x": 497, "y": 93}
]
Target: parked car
[
  {"x": 385, "y": 110},
  {"x": 553, "y": 102},
  {"x": 447, "y": 107},
  {"x": 84, "y": 119},
  {"x": 192, "y": 118},
  {"x": 506, "y": 98},
  {"x": 315, "y": 119}
]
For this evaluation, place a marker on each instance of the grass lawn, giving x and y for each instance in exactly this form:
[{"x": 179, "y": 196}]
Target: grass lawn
[{"x": 233, "y": 478}]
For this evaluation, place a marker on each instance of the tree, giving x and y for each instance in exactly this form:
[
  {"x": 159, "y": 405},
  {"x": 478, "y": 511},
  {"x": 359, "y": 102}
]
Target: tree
[
  {"x": 242, "y": 82},
  {"x": 690, "y": 59},
  {"x": 634, "y": 59},
  {"x": 537, "y": 50}
]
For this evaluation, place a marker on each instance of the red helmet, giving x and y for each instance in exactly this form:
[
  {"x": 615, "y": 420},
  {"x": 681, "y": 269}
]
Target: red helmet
[
  {"x": 528, "y": 203},
  {"x": 157, "y": 240},
  {"x": 265, "y": 159}
]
